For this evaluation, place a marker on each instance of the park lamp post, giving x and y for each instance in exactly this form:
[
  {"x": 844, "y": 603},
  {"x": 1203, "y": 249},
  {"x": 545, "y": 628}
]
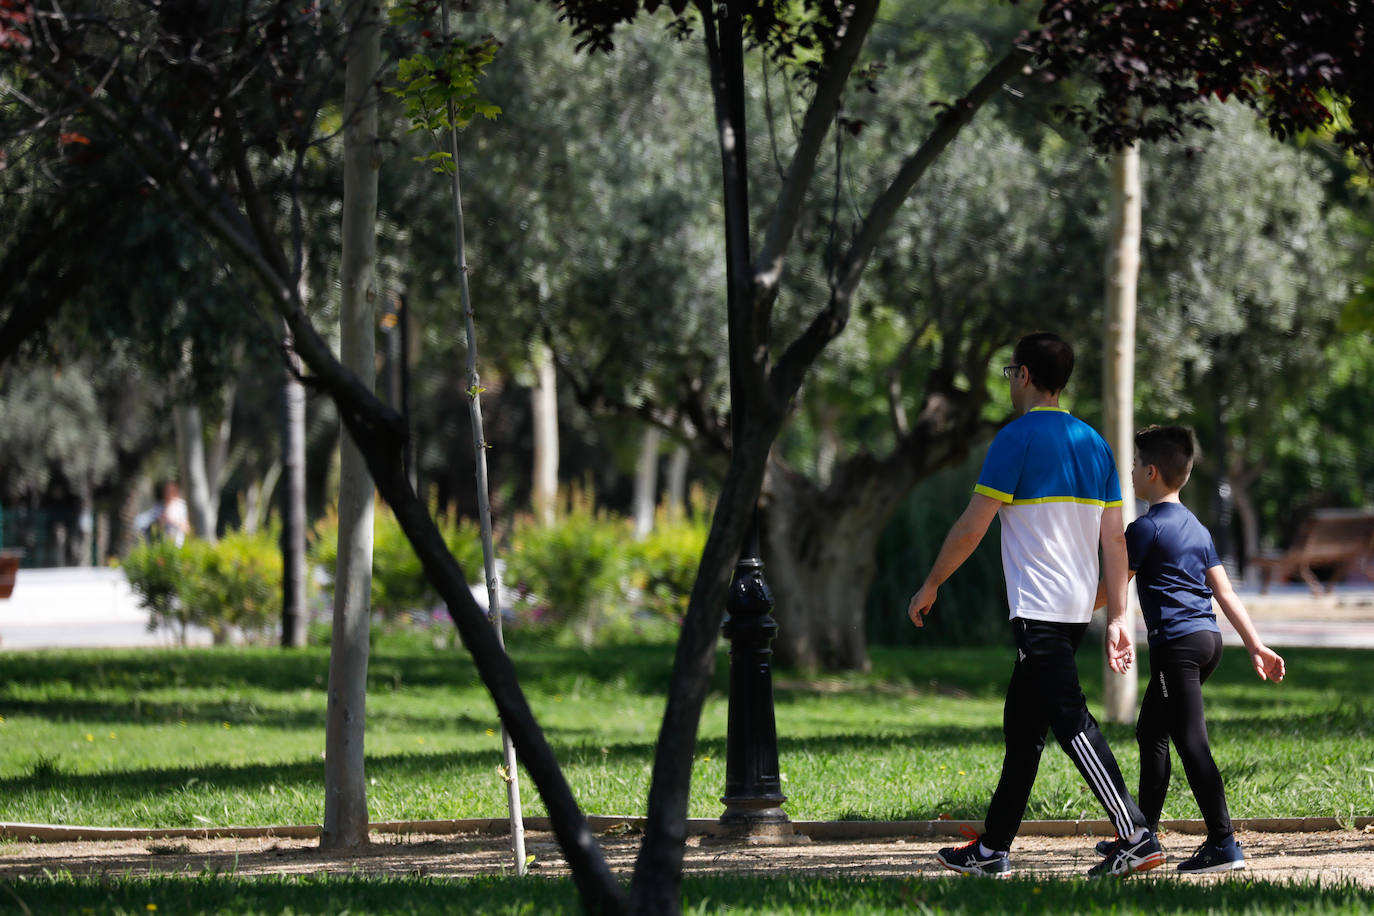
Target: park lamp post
[{"x": 753, "y": 796}]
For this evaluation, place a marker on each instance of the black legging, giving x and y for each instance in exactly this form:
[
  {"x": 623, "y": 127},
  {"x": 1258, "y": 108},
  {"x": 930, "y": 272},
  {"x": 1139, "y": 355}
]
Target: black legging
[
  {"x": 1172, "y": 709},
  {"x": 1043, "y": 696}
]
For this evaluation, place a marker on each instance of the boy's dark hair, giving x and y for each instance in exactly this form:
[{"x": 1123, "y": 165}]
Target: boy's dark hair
[
  {"x": 1170, "y": 449},
  {"x": 1047, "y": 358}
]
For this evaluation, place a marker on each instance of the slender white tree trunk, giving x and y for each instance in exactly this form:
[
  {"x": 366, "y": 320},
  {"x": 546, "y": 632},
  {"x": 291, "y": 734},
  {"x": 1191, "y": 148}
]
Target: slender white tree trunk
[
  {"x": 292, "y": 465},
  {"x": 479, "y": 446},
  {"x": 217, "y": 465},
  {"x": 646, "y": 482},
  {"x": 190, "y": 433},
  {"x": 545, "y": 411},
  {"x": 1118, "y": 379},
  {"x": 257, "y": 496},
  {"x": 676, "y": 494},
  {"x": 345, "y": 807}
]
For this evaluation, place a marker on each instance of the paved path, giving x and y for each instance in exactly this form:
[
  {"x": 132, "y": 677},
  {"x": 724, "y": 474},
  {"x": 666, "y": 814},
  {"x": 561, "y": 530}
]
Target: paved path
[
  {"x": 1291, "y": 615},
  {"x": 78, "y": 607},
  {"x": 1328, "y": 856},
  {"x": 89, "y": 607}
]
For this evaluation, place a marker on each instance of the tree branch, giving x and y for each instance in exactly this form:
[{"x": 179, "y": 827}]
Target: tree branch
[
  {"x": 885, "y": 207},
  {"x": 787, "y": 376},
  {"x": 820, "y": 116}
]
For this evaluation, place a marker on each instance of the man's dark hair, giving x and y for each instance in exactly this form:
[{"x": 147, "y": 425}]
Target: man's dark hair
[
  {"x": 1170, "y": 449},
  {"x": 1047, "y": 358}
]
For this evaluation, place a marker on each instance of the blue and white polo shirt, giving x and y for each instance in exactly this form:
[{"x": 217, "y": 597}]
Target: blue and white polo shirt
[{"x": 1054, "y": 476}]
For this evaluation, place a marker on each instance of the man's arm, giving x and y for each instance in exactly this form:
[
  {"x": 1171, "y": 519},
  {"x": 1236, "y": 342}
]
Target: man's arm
[
  {"x": 1120, "y": 643},
  {"x": 963, "y": 537}
]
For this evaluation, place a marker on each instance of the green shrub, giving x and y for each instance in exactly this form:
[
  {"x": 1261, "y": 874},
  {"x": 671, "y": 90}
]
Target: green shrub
[
  {"x": 233, "y": 584},
  {"x": 585, "y": 574},
  {"x": 573, "y": 573},
  {"x": 156, "y": 571},
  {"x": 239, "y": 584},
  {"x": 399, "y": 585},
  {"x": 665, "y": 563}
]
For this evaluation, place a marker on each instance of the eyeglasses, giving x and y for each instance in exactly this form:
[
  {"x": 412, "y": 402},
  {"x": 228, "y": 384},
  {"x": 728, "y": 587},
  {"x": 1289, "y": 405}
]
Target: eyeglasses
[{"x": 1009, "y": 371}]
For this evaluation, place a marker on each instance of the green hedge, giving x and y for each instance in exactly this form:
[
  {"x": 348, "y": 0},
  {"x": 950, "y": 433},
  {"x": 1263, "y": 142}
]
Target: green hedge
[
  {"x": 235, "y": 584},
  {"x": 586, "y": 575},
  {"x": 972, "y": 608},
  {"x": 399, "y": 585}
]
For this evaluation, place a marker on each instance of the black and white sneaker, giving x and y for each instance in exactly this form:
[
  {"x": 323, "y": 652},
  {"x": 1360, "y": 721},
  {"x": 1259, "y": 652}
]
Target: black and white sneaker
[
  {"x": 1127, "y": 858},
  {"x": 969, "y": 861},
  {"x": 1213, "y": 857}
]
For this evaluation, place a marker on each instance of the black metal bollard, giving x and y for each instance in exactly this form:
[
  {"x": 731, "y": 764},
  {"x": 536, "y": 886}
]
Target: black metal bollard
[{"x": 753, "y": 796}]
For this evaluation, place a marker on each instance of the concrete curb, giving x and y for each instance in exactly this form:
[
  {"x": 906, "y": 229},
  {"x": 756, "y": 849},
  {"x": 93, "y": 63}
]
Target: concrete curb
[{"x": 609, "y": 824}]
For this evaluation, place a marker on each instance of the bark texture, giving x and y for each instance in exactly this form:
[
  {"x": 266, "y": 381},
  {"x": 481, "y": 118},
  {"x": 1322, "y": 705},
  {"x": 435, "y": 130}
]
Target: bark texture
[
  {"x": 1118, "y": 378},
  {"x": 345, "y": 809}
]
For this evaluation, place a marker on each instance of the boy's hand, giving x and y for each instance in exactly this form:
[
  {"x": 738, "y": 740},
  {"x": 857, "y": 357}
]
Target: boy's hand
[
  {"x": 1268, "y": 663},
  {"x": 1120, "y": 647},
  {"x": 920, "y": 605}
]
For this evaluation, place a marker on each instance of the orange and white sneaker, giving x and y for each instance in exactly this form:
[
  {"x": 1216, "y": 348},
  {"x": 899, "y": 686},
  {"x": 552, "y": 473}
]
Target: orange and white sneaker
[{"x": 1127, "y": 858}]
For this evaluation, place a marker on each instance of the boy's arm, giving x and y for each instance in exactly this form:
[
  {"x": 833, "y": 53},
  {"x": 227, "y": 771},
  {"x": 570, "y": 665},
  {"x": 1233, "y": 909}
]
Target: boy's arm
[
  {"x": 1268, "y": 663},
  {"x": 963, "y": 537},
  {"x": 1115, "y": 567}
]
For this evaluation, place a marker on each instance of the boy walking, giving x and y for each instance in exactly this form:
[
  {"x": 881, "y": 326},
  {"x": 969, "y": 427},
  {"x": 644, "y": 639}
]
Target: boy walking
[
  {"x": 1172, "y": 555},
  {"x": 1052, "y": 480}
]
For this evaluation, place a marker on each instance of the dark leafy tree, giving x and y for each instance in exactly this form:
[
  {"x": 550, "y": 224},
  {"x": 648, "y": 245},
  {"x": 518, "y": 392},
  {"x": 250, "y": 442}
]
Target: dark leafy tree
[
  {"x": 204, "y": 94},
  {"x": 220, "y": 106},
  {"x": 1303, "y": 65}
]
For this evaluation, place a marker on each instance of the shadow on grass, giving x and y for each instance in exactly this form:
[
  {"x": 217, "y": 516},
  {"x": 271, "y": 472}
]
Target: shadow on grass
[
  {"x": 645, "y": 668},
  {"x": 640, "y": 667},
  {"x": 135, "y": 787},
  {"x": 233, "y": 711}
]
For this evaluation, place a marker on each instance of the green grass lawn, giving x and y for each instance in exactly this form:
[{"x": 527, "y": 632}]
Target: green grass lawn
[
  {"x": 703, "y": 895},
  {"x": 236, "y": 736}
]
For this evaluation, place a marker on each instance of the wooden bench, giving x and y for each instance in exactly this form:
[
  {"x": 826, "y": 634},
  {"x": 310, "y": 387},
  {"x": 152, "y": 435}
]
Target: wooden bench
[
  {"x": 9, "y": 568},
  {"x": 1334, "y": 539}
]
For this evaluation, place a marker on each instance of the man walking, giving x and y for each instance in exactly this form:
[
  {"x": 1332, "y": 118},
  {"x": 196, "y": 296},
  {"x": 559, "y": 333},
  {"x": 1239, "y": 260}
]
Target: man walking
[{"x": 1053, "y": 481}]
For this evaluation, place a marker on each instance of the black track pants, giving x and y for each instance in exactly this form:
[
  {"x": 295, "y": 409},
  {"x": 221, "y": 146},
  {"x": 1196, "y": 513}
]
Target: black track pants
[
  {"x": 1044, "y": 695},
  {"x": 1172, "y": 710}
]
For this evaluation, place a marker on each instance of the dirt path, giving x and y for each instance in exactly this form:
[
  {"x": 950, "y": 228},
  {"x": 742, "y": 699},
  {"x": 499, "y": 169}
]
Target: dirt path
[{"x": 1328, "y": 856}]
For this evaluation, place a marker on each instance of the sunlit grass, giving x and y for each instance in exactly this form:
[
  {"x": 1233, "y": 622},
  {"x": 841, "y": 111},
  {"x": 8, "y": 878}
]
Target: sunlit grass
[
  {"x": 702, "y": 894},
  {"x": 236, "y": 736}
]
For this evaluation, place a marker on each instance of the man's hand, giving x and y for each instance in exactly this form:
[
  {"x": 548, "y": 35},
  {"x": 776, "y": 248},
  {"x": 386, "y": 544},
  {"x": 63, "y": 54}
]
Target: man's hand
[
  {"x": 1120, "y": 647},
  {"x": 1268, "y": 663},
  {"x": 920, "y": 605}
]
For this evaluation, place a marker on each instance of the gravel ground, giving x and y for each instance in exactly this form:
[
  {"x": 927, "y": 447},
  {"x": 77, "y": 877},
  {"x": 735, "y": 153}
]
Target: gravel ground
[{"x": 1328, "y": 856}]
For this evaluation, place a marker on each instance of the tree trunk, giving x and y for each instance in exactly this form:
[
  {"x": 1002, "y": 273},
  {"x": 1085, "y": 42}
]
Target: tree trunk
[
  {"x": 257, "y": 498},
  {"x": 200, "y": 503},
  {"x": 1241, "y": 480},
  {"x": 821, "y": 586},
  {"x": 1118, "y": 379},
  {"x": 293, "y": 605},
  {"x": 676, "y": 488},
  {"x": 345, "y": 811},
  {"x": 646, "y": 482},
  {"x": 819, "y": 554},
  {"x": 84, "y": 537},
  {"x": 544, "y": 407}
]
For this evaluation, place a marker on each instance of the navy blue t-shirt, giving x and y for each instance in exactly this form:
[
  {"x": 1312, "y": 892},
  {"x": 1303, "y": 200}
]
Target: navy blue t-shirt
[{"x": 1171, "y": 551}]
